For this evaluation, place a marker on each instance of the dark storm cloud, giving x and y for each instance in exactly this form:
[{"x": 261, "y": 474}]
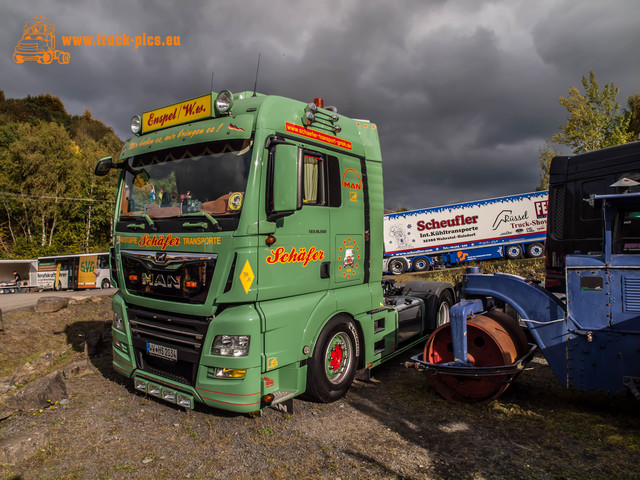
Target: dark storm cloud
[{"x": 464, "y": 93}]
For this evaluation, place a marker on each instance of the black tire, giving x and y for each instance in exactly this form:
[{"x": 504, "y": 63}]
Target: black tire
[
  {"x": 105, "y": 283},
  {"x": 333, "y": 365},
  {"x": 513, "y": 252},
  {"x": 535, "y": 250},
  {"x": 421, "y": 264},
  {"x": 397, "y": 266},
  {"x": 443, "y": 310}
]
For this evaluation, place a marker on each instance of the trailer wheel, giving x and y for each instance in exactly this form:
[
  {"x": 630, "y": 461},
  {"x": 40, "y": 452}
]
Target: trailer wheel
[
  {"x": 421, "y": 264},
  {"x": 334, "y": 361},
  {"x": 105, "y": 283},
  {"x": 398, "y": 266},
  {"x": 513, "y": 252},
  {"x": 535, "y": 250},
  {"x": 443, "y": 314}
]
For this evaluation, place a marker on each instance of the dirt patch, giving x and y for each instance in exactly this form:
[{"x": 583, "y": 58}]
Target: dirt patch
[{"x": 395, "y": 427}]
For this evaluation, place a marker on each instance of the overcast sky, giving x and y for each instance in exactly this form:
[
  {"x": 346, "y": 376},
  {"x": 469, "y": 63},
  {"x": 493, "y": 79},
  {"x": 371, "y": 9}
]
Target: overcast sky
[{"x": 463, "y": 92}]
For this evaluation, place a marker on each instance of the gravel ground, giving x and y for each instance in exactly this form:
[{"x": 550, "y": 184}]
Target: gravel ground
[{"x": 393, "y": 427}]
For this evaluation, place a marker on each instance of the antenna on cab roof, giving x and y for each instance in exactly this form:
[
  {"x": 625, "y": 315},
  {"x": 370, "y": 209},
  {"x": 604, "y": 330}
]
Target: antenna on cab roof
[{"x": 255, "y": 85}]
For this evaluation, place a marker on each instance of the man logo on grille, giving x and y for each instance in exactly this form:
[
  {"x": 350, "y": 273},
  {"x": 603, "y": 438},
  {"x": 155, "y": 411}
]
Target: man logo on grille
[{"x": 161, "y": 257}]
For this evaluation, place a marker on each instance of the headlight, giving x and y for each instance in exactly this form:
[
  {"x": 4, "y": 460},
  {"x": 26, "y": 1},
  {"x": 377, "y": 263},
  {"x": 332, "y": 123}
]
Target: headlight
[
  {"x": 230, "y": 345},
  {"x": 224, "y": 101},
  {"x": 136, "y": 123},
  {"x": 118, "y": 322}
]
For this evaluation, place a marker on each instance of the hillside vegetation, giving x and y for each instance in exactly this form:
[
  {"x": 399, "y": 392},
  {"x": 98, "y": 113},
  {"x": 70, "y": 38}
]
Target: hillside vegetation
[{"x": 50, "y": 201}]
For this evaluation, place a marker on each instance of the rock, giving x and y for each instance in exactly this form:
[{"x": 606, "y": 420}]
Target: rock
[
  {"x": 96, "y": 299},
  {"x": 5, "y": 386},
  {"x": 78, "y": 369},
  {"x": 26, "y": 371},
  {"x": 40, "y": 393},
  {"x": 22, "y": 374},
  {"x": 78, "y": 300},
  {"x": 20, "y": 447},
  {"x": 51, "y": 304}
]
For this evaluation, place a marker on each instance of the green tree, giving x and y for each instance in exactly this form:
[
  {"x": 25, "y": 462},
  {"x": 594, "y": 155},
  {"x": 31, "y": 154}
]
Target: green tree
[
  {"x": 633, "y": 102},
  {"x": 50, "y": 201},
  {"x": 40, "y": 170},
  {"x": 595, "y": 120},
  {"x": 547, "y": 152}
]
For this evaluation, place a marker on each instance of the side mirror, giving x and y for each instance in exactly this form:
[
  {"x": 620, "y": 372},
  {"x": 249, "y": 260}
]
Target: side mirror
[
  {"x": 287, "y": 180},
  {"x": 103, "y": 166}
]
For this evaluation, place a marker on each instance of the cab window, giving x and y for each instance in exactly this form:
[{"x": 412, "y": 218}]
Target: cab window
[{"x": 626, "y": 234}]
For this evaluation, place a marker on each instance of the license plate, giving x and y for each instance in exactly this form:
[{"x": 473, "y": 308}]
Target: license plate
[{"x": 162, "y": 352}]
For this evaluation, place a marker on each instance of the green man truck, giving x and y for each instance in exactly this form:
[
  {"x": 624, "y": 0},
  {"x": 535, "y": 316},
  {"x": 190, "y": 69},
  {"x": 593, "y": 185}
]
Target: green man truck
[{"x": 247, "y": 252}]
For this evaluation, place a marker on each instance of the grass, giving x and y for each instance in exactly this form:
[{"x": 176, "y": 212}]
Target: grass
[{"x": 529, "y": 268}]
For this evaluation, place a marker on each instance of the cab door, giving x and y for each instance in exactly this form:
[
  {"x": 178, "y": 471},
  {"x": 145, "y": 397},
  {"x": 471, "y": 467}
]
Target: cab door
[
  {"x": 348, "y": 226},
  {"x": 295, "y": 264}
]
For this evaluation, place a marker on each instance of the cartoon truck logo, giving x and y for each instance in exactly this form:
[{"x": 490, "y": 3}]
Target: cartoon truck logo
[{"x": 38, "y": 43}]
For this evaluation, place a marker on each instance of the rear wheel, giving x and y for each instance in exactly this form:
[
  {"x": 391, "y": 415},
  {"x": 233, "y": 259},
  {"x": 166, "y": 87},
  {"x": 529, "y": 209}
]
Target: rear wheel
[
  {"x": 334, "y": 361},
  {"x": 421, "y": 264},
  {"x": 513, "y": 251},
  {"x": 105, "y": 283},
  {"x": 63, "y": 57},
  {"x": 535, "y": 250},
  {"x": 443, "y": 314}
]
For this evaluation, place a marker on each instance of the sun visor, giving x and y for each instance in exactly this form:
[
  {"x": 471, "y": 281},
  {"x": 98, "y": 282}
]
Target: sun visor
[{"x": 225, "y": 128}]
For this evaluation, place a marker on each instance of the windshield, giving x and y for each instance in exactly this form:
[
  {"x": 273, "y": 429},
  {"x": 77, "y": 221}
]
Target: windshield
[{"x": 205, "y": 178}]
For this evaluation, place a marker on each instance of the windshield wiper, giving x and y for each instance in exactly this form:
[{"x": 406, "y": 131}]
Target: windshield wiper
[
  {"x": 203, "y": 225},
  {"x": 140, "y": 226}
]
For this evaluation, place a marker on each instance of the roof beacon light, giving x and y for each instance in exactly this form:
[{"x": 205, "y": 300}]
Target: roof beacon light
[
  {"x": 224, "y": 101},
  {"x": 136, "y": 123},
  {"x": 313, "y": 114}
]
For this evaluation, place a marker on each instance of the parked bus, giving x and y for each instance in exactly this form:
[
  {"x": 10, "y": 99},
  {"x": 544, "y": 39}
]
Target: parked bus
[{"x": 74, "y": 272}]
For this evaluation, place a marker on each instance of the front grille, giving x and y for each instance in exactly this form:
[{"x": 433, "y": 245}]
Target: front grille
[
  {"x": 183, "y": 333},
  {"x": 177, "y": 277}
]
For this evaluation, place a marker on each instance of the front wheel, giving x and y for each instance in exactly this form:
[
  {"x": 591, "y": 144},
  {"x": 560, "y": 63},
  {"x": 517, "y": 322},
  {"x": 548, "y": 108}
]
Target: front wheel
[
  {"x": 105, "y": 283},
  {"x": 334, "y": 361},
  {"x": 397, "y": 266}
]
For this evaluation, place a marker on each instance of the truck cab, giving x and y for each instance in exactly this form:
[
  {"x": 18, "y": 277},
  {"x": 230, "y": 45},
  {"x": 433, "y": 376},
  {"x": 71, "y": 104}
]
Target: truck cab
[{"x": 247, "y": 246}]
